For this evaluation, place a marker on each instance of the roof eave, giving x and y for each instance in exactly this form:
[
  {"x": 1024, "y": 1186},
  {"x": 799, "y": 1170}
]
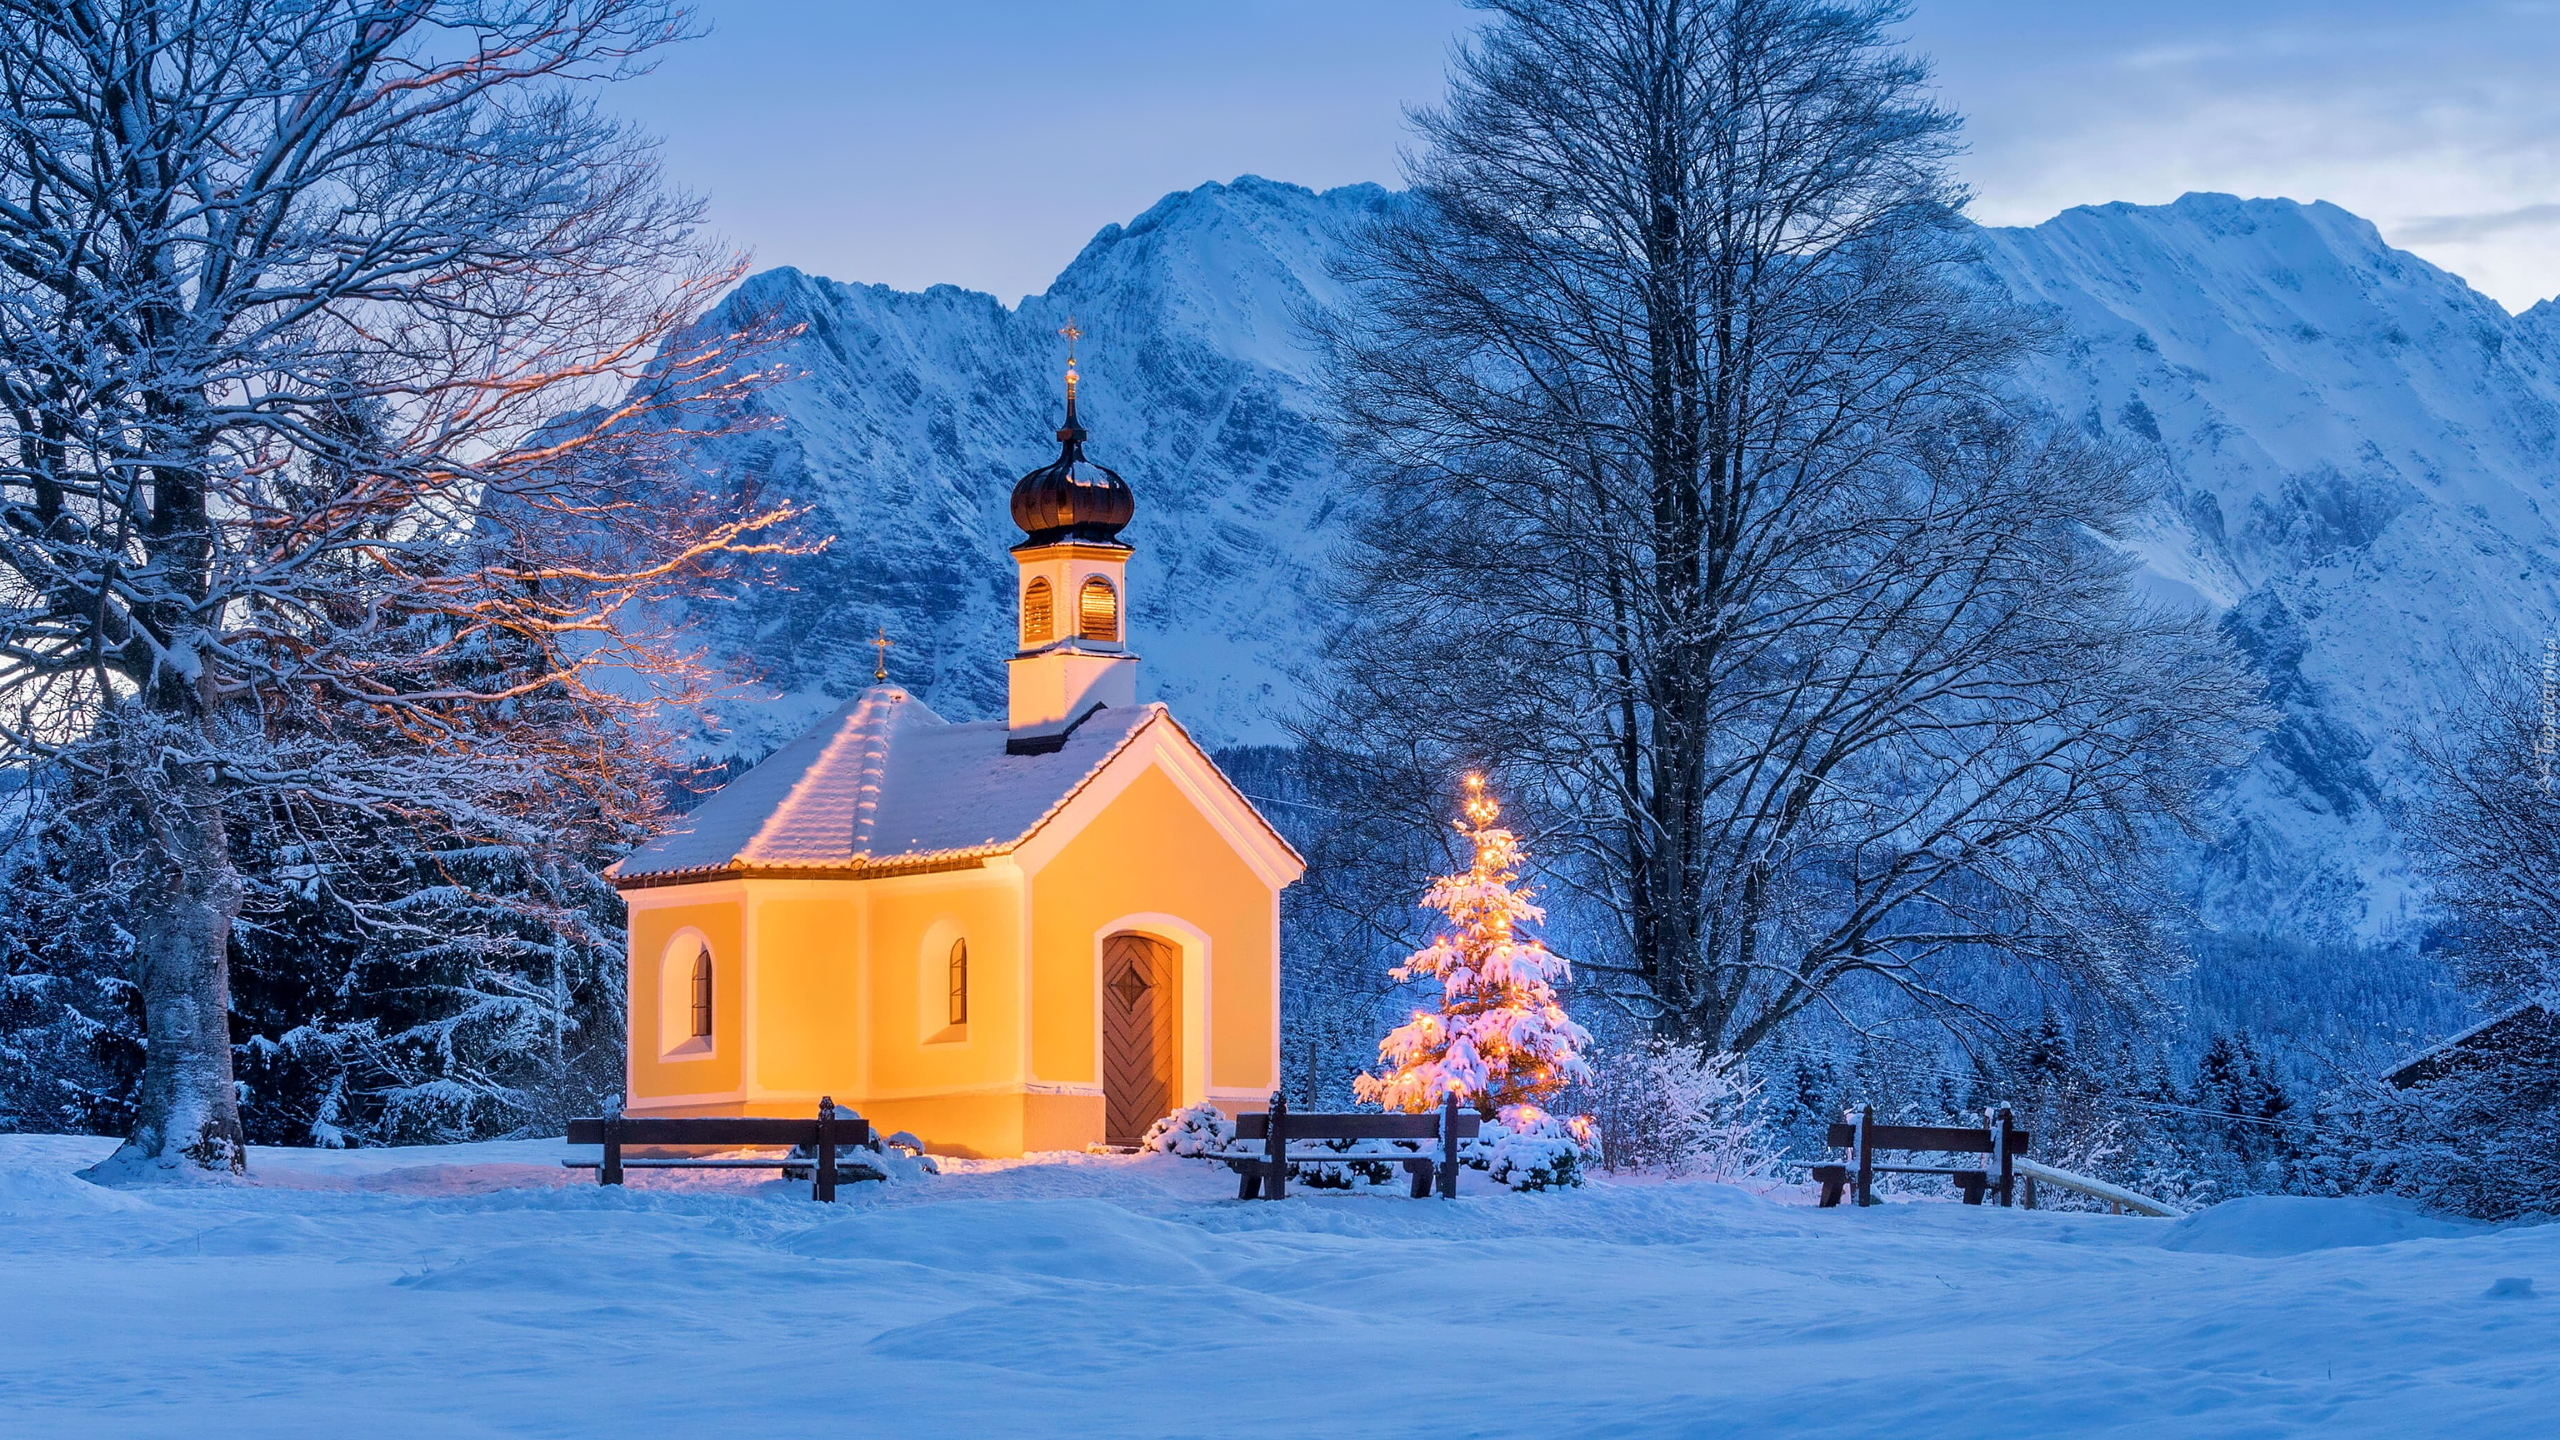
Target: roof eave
[{"x": 973, "y": 858}]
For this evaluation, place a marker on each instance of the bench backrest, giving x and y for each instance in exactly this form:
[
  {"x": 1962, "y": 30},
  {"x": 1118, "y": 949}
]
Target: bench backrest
[
  {"x": 1925, "y": 1137},
  {"x": 714, "y": 1130},
  {"x": 1305, "y": 1125}
]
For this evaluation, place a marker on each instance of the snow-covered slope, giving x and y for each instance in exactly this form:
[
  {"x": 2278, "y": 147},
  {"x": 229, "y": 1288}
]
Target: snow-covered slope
[
  {"x": 2358, "y": 448},
  {"x": 2360, "y": 453},
  {"x": 914, "y": 415}
]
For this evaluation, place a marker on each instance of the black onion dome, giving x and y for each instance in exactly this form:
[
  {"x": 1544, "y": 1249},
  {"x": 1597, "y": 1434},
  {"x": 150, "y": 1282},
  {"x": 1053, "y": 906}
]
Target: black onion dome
[{"x": 1071, "y": 498}]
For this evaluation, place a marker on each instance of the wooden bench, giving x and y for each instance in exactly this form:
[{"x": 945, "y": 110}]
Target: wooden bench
[
  {"x": 2000, "y": 1139},
  {"x": 819, "y": 1137},
  {"x": 1264, "y": 1168}
]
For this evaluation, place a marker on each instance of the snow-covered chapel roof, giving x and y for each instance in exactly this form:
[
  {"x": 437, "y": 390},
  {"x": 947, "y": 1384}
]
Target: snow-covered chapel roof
[{"x": 885, "y": 785}]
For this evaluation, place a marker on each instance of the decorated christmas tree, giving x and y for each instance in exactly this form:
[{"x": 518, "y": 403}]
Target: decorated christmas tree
[{"x": 1500, "y": 1040}]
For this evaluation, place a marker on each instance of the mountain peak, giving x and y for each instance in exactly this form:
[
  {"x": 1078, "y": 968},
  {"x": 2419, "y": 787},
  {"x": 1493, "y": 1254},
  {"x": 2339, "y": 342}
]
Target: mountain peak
[{"x": 2346, "y": 437}]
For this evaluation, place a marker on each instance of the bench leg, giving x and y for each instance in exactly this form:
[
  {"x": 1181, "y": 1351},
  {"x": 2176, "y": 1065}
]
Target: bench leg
[
  {"x": 1248, "y": 1181},
  {"x": 1972, "y": 1189},
  {"x": 610, "y": 1172},
  {"x": 1420, "y": 1173},
  {"x": 1835, "y": 1182}
]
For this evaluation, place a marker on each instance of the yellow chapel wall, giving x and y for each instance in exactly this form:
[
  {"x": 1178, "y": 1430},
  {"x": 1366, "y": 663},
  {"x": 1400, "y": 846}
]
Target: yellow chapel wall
[
  {"x": 1151, "y": 852},
  {"x": 805, "y": 971},
  {"x": 706, "y": 1082},
  {"x": 839, "y": 988},
  {"x": 958, "y": 1088}
]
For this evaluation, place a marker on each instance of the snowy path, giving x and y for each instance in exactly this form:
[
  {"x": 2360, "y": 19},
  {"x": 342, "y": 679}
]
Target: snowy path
[{"x": 468, "y": 1291}]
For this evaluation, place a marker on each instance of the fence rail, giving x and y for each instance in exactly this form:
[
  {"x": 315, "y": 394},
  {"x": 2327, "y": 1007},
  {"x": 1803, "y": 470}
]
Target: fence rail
[{"x": 2133, "y": 1200}]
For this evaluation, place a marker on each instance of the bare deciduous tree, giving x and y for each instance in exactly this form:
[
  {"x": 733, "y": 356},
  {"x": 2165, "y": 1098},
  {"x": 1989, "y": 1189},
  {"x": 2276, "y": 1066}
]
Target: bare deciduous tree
[
  {"x": 2486, "y": 827},
  {"x": 1699, "y": 510},
  {"x": 330, "y": 346}
]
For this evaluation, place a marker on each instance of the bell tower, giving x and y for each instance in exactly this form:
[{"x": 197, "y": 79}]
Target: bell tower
[{"x": 1071, "y": 592}]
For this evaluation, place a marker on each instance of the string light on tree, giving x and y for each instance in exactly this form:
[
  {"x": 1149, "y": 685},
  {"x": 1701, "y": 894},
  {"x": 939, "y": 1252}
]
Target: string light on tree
[{"x": 1500, "y": 1039}]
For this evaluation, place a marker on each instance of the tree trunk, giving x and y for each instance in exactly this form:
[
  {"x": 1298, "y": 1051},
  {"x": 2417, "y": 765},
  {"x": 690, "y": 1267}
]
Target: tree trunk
[{"x": 186, "y": 1117}]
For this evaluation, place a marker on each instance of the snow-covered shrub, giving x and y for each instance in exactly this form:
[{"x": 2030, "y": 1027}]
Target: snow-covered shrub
[
  {"x": 896, "y": 1158},
  {"x": 1191, "y": 1131},
  {"x": 1525, "y": 1148},
  {"x": 1685, "y": 1110},
  {"x": 886, "y": 1163}
]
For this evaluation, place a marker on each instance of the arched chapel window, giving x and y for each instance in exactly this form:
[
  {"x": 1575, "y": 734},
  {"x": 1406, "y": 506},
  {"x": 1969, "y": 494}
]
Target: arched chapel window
[
  {"x": 702, "y": 994},
  {"x": 959, "y": 982},
  {"x": 1037, "y": 610},
  {"x": 1099, "y": 610}
]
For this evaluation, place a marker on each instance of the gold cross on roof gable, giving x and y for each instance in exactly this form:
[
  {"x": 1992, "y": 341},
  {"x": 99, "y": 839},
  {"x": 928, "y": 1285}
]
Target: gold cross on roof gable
[{"x": 881, "y": 643}]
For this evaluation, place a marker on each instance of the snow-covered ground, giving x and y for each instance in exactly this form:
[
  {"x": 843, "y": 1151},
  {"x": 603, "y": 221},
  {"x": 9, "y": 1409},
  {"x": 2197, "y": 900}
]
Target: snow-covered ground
[{"x": 478, "y": 1290}]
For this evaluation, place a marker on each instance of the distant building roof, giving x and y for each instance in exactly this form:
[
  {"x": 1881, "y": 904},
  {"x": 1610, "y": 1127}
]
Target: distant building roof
[
  {"x": 886, "y": 785},
  {"x": 2528, "y": 1032}
]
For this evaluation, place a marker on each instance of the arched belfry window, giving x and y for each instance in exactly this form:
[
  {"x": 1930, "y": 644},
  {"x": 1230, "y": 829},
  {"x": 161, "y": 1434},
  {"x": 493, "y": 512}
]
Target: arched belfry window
[
  {"x": 959, "y": 982},
  {"x": 1039, "y": 607},
  {"x": 702, "y": 994},
  {"x": 1098, "y": 610}
]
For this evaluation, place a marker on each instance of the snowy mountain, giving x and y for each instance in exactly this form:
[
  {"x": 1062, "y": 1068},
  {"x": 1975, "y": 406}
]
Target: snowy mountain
[
  {"x": 915, "y": 413},
  {"x": 2356, "y": 448},
  {"x": 2360, "y": 453}
]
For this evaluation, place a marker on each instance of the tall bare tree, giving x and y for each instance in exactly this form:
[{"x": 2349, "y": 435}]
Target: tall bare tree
[
  {"x": 330, "y": 348},
  {"x": 1699, "y": 508}
]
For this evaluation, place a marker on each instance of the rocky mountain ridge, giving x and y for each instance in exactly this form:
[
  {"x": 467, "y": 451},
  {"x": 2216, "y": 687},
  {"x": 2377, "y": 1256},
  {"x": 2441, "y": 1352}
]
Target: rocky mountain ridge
[{"x": 2355, "y": 448}]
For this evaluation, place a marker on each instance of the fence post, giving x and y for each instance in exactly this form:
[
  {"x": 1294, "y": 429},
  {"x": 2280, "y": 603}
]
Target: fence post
[
  {"x": 1866, "y": 1157},
  {"x": 823, "y": 1179},
  {"x": 1448, "y": 1178},
  {"x": 2001, "y": 1129},
  {"x": 1275, "y": 1150},
  {"x": 610, "y": 1172}
]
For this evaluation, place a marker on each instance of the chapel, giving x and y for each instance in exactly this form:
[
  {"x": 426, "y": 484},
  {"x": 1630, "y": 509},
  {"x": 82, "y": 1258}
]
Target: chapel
[{"x": 1038, "y": 933}]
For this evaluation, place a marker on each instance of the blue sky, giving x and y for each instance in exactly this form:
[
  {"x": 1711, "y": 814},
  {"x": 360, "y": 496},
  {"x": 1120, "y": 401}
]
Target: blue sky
[{"x": 981, "y": 142}]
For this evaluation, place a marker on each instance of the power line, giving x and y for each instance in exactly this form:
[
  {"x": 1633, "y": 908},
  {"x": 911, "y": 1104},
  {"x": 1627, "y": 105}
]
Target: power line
[{"x": 1297, "y": 804}]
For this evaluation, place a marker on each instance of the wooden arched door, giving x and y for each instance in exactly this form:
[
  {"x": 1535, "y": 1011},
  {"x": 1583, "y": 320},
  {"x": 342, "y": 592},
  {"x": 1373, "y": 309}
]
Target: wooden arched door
[{"x": 1141, "y": 1034}]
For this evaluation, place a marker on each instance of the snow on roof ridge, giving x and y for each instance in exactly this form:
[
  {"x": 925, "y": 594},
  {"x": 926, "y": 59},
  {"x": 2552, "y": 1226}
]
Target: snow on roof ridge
[
  {"x": 848, "y": 724},
  {"x": 2454, "y": 1041},
  {"x": 860, "y": 745}
]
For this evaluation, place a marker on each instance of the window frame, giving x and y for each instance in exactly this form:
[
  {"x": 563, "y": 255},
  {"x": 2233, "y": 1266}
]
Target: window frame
[
  {"x": 1040, "y": 602},
  {"x": 676, "y": 1039},
  {"x": 1086, "y": 613}
]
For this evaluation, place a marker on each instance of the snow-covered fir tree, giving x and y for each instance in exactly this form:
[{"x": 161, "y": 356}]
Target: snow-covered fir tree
[{"x": 1500, "y": 1038}]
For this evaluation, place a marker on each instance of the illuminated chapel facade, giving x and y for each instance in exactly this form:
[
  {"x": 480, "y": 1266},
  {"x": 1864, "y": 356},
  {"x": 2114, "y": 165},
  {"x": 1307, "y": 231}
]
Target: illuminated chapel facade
[{"x": 1038, "y": 933}]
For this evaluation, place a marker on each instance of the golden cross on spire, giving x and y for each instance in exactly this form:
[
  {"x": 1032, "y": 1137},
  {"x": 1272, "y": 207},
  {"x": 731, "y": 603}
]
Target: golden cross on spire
[{"x": 881, "y": 643}]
